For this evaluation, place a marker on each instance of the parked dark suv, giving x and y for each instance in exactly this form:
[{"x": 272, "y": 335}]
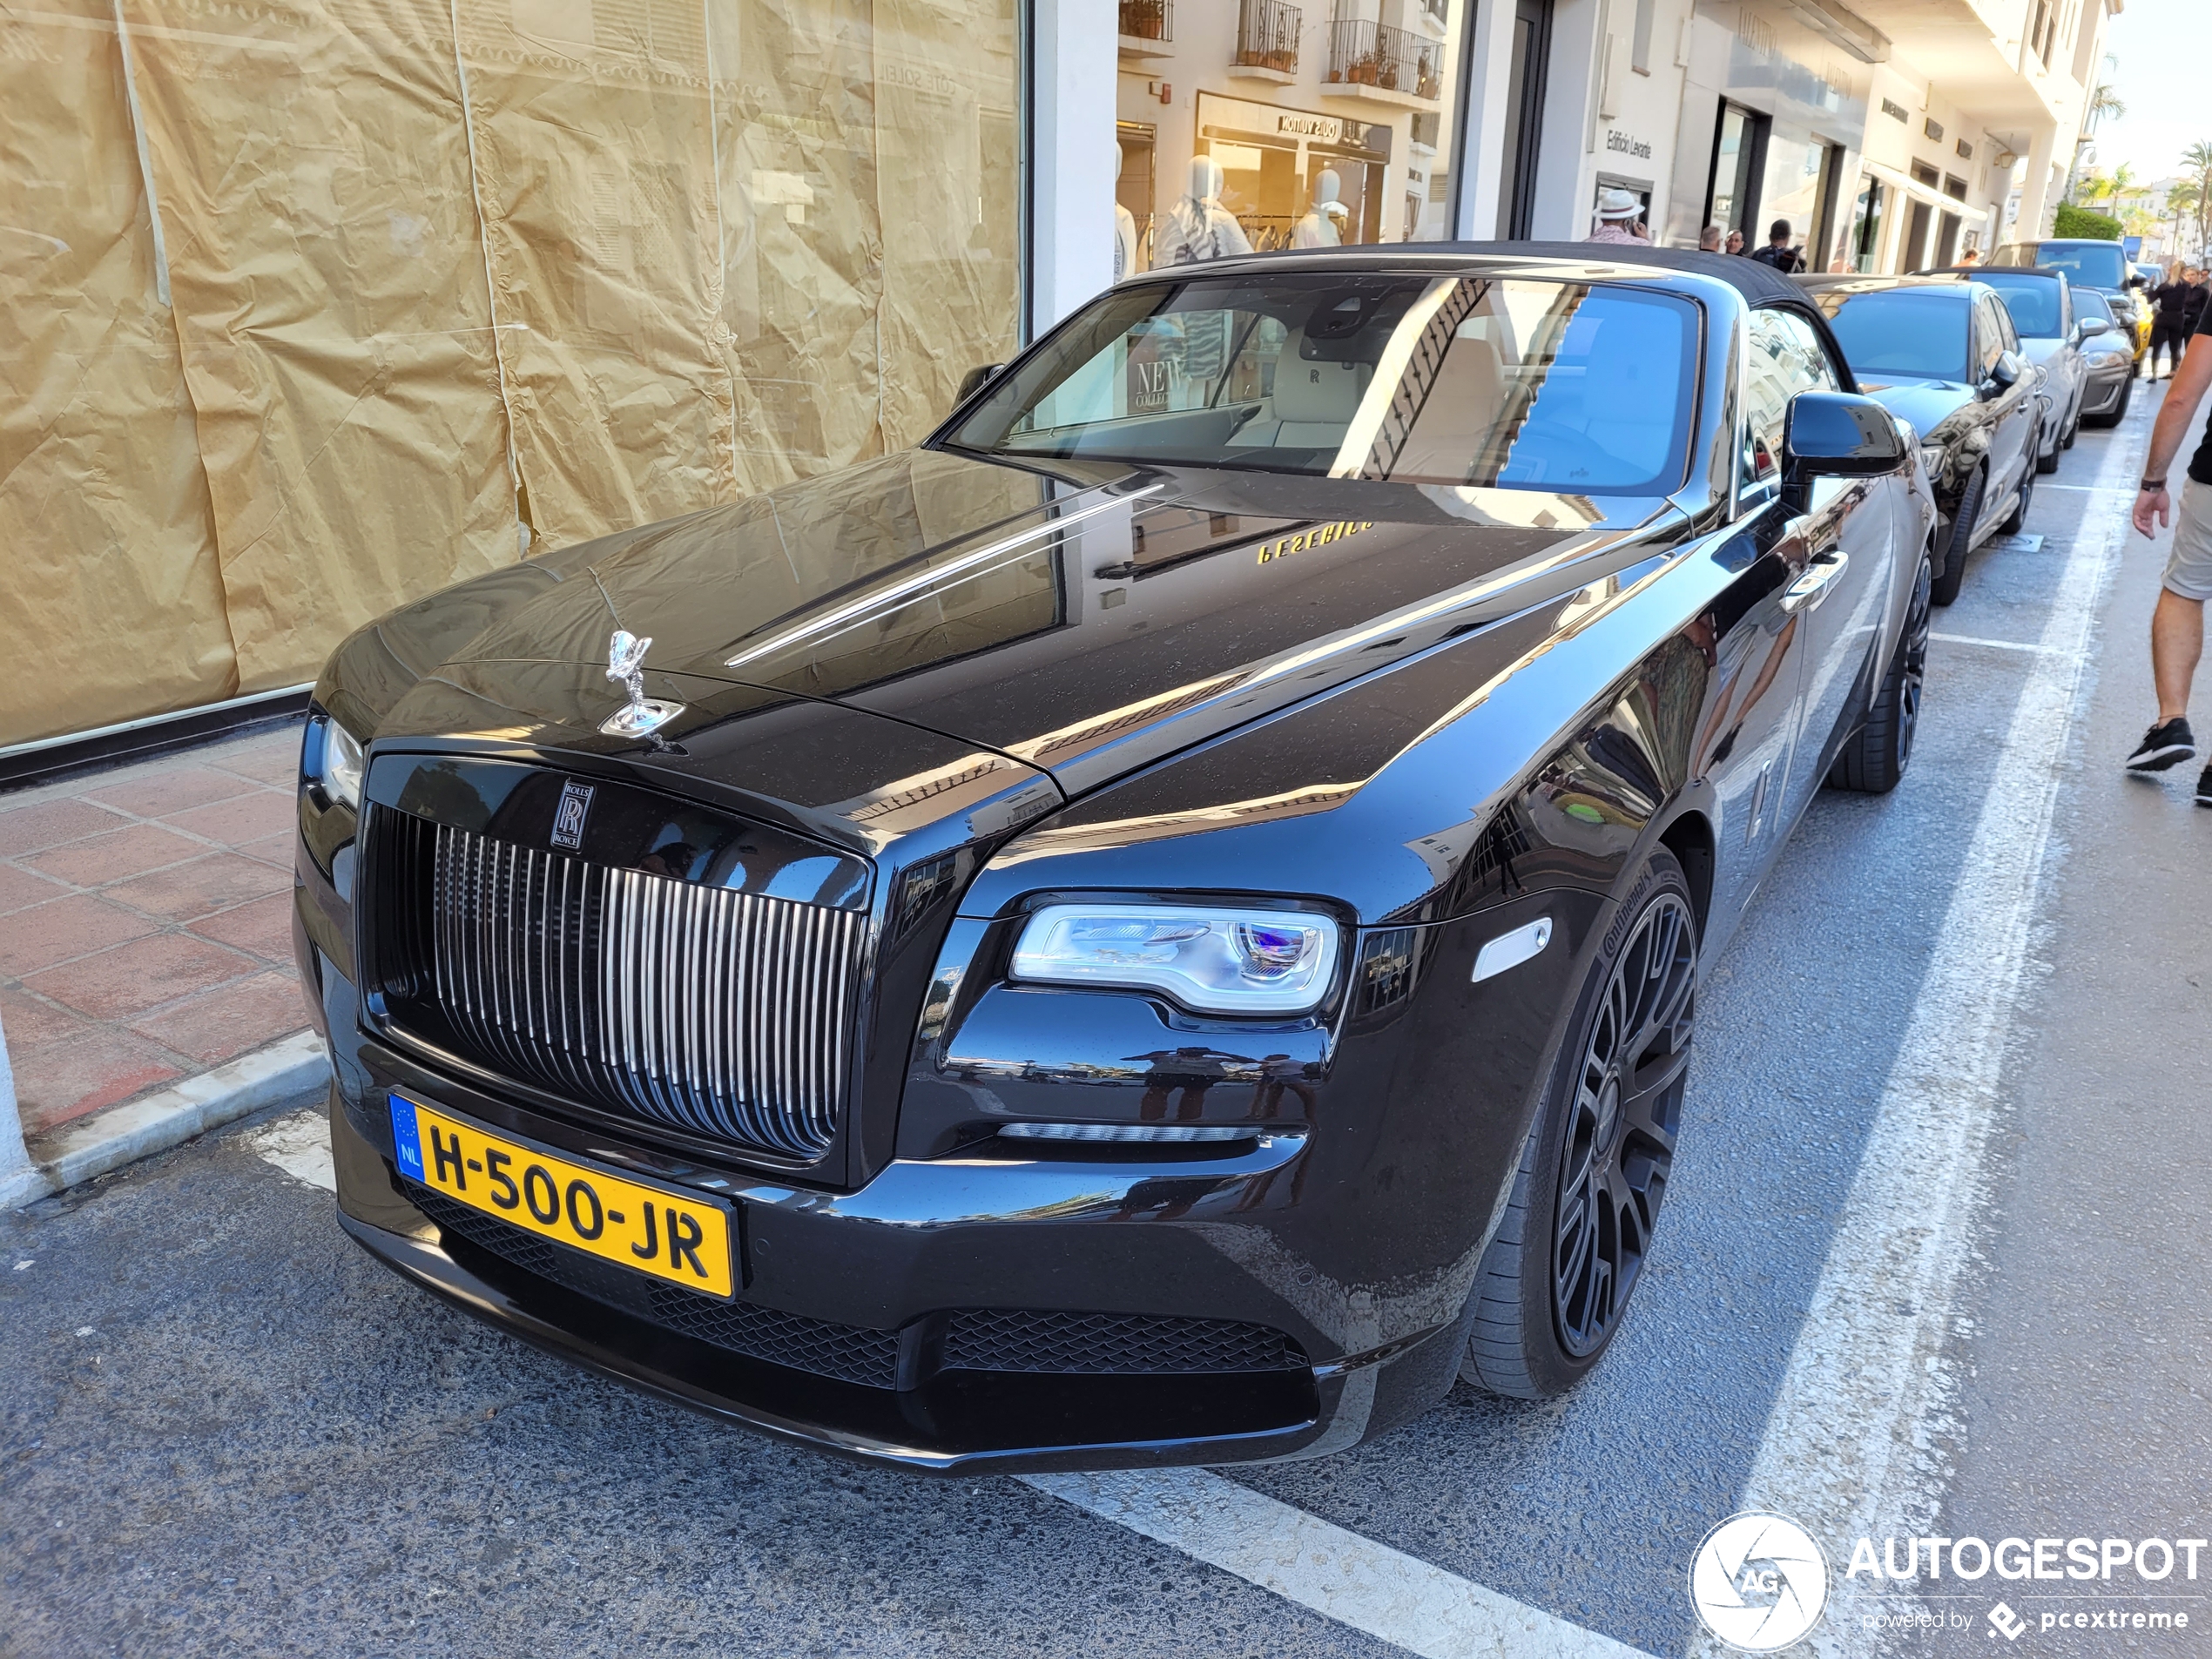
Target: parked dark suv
[{"x": 2089, "y": 264}]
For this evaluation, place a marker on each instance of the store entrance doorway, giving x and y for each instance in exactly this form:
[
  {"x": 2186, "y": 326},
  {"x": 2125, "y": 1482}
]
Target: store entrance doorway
[{"x": 1530, "y": 66}]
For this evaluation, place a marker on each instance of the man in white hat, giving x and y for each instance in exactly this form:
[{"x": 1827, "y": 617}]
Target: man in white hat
[{"x": 1617, "y": 212}]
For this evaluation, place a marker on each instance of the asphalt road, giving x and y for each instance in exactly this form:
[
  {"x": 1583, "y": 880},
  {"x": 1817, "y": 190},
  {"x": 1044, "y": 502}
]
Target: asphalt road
[{"x": 224, "y": 1430}]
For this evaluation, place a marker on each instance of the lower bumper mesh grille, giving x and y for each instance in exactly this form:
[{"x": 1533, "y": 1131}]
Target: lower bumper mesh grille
[
  {"x": 1111, "y": 1344},
  {"x": 1039, "y": 1341},
  {"x": 851, "y": 1353}
]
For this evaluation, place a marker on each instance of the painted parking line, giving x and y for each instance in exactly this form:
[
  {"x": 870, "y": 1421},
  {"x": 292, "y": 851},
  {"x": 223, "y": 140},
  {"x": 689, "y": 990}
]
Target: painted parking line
[
  {"x": 1990, "y": 644},
  {"x": 298, "y": 1143},
  {"x": 1337, "y": 1574},
  {"x": 1847, "y": 1451}
]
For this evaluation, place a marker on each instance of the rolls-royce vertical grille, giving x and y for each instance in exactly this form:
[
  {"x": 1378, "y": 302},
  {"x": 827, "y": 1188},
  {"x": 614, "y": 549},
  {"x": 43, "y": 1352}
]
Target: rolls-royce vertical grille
[{"x": 727, "y": 1014}]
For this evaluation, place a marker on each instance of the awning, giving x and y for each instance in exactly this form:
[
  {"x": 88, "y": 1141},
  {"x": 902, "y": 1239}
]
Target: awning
[{"x": 1969, "y": 216}]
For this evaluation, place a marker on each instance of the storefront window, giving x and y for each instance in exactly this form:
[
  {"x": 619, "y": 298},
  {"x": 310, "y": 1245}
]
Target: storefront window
[
  {"x": 1866, "y": 225},
  {"x": 1248, "y": 126},
  {"x": 439, "y": 282}
]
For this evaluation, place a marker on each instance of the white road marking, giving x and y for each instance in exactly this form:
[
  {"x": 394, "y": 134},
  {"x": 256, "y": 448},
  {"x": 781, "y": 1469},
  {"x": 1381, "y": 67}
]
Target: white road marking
[
  {"x": 298, "y": 1143},
  {"x": 1993, "y": 644},
  {"x": 1850, "y": 1447},
  {"x": 1339, "y": 1575}
]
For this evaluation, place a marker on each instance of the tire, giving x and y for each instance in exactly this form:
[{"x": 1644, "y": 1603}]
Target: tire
[
  {"x": 2048, "y": 464},
  {"x": 2073, "y": 431},
  {"x": 2019, "y": 515},
  {"x": 1549, "y": 1297},
  {"x": 1874, "y": 761},
  {"x": 1962, "y": 532}
]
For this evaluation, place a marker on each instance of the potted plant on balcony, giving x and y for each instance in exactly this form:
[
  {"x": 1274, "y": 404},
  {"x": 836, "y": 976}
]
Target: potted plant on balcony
[{"x": 1144, "y": 19}]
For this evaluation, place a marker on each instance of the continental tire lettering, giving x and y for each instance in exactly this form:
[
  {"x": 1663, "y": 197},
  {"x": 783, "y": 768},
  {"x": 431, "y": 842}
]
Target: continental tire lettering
[{"x": 1323, "y": 536}]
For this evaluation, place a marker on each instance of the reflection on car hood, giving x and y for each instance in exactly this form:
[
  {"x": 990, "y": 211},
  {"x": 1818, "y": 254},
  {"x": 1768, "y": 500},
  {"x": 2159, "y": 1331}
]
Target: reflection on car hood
[
  {"x": 1082, "y": 619},
  {"x": 1922, "y": 405}
]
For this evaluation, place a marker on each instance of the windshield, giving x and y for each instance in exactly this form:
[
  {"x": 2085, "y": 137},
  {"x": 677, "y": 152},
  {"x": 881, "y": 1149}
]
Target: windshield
[
  {"x": 1900, "y": 331},
  {"x": 2033, "y": 301},
  {"x": 1559, "y": 386},
  {"x": 2096, "y": 264},
  {"x": 2087, "y": 302}
]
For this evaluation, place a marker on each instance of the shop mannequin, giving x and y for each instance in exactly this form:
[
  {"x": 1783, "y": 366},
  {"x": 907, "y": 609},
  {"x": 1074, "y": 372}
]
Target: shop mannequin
[
  {"x": 1323, "y": 226},
  {"x": 1199, "y": 227},
  {"x": 1124, "y": 226}
]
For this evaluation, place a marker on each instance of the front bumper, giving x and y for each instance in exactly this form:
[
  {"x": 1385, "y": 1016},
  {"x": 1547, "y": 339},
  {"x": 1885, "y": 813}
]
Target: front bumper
[
  {"x": 1259, "y": 1234},
  {"x": 950, "y": 1422},
  {"x": 2106, "y": 385}
]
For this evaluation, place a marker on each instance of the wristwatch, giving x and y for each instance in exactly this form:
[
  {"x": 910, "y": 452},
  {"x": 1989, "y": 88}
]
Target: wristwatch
[{"x": 2152, "y": 485}]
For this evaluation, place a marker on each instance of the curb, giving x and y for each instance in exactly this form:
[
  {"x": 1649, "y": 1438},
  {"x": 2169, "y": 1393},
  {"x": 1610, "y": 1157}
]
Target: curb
[{"x": 107, "y": 1140}]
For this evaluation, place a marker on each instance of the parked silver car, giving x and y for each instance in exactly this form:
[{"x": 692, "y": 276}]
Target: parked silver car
[
  {"x": 2042, "y": 307},
  {"x": 2108, "y": 353}
]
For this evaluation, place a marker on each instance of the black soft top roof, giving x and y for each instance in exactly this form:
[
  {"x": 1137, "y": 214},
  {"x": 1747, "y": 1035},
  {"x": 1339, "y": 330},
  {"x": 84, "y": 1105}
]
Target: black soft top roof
[{"x": 1758, "y": 283}]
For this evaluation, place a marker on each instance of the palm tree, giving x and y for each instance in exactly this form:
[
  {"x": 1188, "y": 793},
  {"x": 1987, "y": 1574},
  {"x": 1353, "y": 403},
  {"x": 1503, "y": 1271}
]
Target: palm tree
[
  {"x": 2197, "y": 159},
  {"x": 2103, "y": 101},
  {"x": 2181, "y": 197}
]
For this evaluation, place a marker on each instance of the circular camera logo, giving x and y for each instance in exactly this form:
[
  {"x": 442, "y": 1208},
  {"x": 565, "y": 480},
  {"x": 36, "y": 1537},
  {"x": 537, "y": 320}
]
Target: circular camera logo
[{"x": 1758, "y": 1583}]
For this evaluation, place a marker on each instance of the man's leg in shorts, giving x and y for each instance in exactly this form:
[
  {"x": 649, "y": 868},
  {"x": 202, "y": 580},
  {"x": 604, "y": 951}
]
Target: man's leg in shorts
[{"x": 2177, "y": 625}]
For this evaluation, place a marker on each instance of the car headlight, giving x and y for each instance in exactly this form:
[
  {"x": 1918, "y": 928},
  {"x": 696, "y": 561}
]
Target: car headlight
[
  {"x": 1931, "y": 460},
  {"x": 339, "y": 774},
  {"x": 1212, "y": 960}
]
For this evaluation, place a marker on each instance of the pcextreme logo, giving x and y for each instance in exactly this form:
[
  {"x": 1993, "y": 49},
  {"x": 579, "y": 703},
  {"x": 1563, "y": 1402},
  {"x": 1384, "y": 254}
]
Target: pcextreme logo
[{"x": 1758, "y": 1583}]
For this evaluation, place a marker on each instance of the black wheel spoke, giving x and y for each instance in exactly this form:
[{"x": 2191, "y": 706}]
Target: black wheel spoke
[{"x": 1619, "y": 1141}]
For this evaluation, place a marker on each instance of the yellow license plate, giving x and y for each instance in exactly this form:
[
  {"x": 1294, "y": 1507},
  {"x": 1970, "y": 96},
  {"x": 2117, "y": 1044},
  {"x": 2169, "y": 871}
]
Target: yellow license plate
[{"x": 661, "y": 1230}]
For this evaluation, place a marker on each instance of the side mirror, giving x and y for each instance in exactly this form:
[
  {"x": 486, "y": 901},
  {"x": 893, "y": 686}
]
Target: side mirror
[
  {"x": 1835, "y": 435},
  {"x": 975, "y": 381},
  {"x": 2092, "y": 326},
  {"x": 2009, "y": 367}
]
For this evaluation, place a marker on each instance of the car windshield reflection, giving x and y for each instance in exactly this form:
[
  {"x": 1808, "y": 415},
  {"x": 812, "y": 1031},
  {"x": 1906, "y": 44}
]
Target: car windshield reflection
[
  {"x": 1910, "y": 334},
  {"x": 1456, "y": 380}
]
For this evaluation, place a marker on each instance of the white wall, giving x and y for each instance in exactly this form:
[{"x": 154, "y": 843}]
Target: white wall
[{"x": 1071, "y": 180}]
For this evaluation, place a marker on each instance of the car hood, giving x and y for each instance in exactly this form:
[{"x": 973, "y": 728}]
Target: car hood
[
  {"x": 1922, "y": 405},
  {"x": 1078, "y": 621}
]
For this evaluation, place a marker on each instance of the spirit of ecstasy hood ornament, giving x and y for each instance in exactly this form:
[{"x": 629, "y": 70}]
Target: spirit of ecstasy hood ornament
[{"x": 643, "y": 715}]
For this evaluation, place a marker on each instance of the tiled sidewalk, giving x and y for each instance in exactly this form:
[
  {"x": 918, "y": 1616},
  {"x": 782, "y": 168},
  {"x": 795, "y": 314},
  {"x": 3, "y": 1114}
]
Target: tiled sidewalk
[{"x": 146, "y": 930}]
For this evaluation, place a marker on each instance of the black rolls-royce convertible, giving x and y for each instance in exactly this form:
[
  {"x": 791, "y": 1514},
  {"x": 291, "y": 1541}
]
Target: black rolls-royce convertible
[{"x": 1161, "y": 926}]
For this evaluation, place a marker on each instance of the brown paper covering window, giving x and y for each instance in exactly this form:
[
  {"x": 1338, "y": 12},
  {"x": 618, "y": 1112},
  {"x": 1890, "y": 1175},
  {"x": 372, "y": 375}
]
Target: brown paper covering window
[{"x": 448, "y": 279}]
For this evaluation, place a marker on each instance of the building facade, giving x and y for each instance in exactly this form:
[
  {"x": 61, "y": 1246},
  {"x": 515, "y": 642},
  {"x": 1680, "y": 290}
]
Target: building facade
[{"x": 343, "y": 301}]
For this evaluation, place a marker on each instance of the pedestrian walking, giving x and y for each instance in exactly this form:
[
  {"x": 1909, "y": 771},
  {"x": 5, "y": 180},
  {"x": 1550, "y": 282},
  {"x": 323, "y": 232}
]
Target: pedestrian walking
[
  {"x": 2177, "y": 624},
  {"x": 1618, "y": 211},
  {"x": 2193, "y": 303},
  {"x": 1777, "y": 252},
  {"x": 2168, "y": 325}
]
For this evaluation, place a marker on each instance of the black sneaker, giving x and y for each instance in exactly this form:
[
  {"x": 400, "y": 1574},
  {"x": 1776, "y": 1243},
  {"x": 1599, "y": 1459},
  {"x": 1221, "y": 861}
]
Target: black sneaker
[
  {"x": 2204, "y": 787},
  {"x": 2167, "y": 743}
]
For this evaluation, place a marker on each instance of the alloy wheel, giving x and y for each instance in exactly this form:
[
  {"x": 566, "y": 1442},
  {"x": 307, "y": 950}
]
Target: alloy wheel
[
  {"x": 1913, "y": 663},
  {"x": 1619, "y": 1143}
]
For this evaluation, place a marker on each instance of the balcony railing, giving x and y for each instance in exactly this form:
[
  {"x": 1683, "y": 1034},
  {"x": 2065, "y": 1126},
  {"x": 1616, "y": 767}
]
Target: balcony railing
[
  {"x": 1148, "y": 19},
  {"x": 1395, "y": 60},
  {"x": 1267, "y": 35}
]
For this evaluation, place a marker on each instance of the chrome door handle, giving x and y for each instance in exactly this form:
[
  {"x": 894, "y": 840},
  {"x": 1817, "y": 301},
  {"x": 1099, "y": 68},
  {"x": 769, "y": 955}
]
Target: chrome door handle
[{"x": 1811, "y": 585}]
